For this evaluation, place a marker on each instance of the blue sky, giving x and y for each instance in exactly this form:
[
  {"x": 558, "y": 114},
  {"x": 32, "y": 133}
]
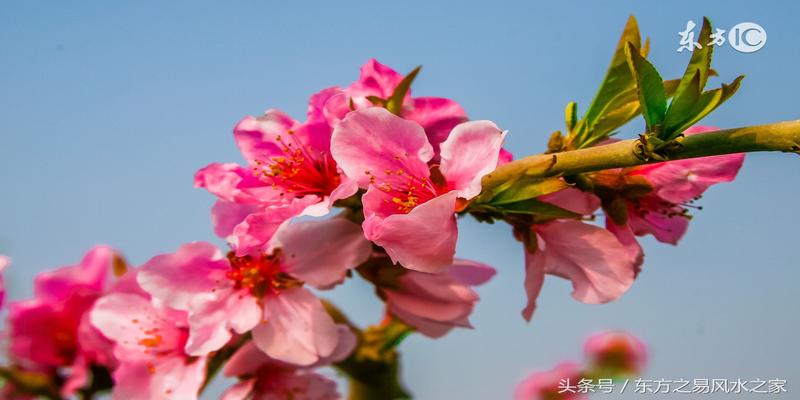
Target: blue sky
[{"x": 107, "y": 109}]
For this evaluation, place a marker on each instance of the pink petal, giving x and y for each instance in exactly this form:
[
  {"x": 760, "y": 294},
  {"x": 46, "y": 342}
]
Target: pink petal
[
  {"x": 232, "y": 183},
  {"x": 195, "y": 270},
  {"x": 470, "y": 272},
  {"x": 665, "y": 228},
  {"x": 171, "y": 378},
  {"x": 626, "y": 237},
  {"x": 317, "y": 103},
  {"x": 255, "y": 232},
  {"x": 435, "y": 303},
  {"x": 422, "y": 240},
  {"x": 438, "y": 116},
  {"x": 138, "y": 328},
  {"x": 242, "y": 390},
  {"x": 683, "y": 180},
  {"x": 321, "y": 252},
  {"x": 534, "y": 279},
  {"x": 376, "y": 80},
  {"x": 226, "y": 215},
  {"x": 249, "y": 358},
  {"x": 89, "y": 275},
  {"x": 296, "y": 328},
  {"x": 505, "y": 157},
  {"x": 256, "y": 137},
  {"x": 371, "y": 141},
  {"x": 598, "y": 265},
  {"x": 211, "y": 321},
  {"x": 470, "y": 152},
  {"x": 574, "y": 200}
]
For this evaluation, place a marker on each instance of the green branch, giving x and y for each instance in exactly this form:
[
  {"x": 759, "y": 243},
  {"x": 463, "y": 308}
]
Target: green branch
[{"x": 780, "y": 136}]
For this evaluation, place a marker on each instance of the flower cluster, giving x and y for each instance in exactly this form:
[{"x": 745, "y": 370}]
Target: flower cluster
[
  {"x": 400, "y": 169},
  {"x": 608, "y": 355}
]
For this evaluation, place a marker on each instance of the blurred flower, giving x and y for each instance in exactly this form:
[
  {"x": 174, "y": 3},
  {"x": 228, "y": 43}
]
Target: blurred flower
[
  {"x": 263, "y": 293},
  {"x": 52, "y": 331},
  {"x": 148, "y": 342},
  {"x": 409, "y": 207},
  {"x": 615, "y": 353},
  {"x": 4, "y": 263},
  {"x": 552, "y": 384}
]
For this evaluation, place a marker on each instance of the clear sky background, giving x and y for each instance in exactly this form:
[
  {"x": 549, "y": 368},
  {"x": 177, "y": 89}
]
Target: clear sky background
[{"x": 106, "y": 111}]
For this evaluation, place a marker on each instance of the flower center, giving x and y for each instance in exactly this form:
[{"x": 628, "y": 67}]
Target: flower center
[
  {"x": 260, "y": 275},
  {"x": 404, "y": 191},
  {"x": 300, "y": 170}
]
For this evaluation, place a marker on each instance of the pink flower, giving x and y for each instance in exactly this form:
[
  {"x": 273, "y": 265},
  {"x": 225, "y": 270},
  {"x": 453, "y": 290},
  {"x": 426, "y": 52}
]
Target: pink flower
[
  {"x": 436, "y": 303},
  {"x": 4, "y": 263},
  {"x": 51, "y": 330},
  {"x": 267, "y": 378},
  {"x": 437, "y": 116},
  {"x": 409, "y": 207},
  {"x": 290, "y": 172},
  {"x": 148, "y": 342},
  {"x": 560, "y": 383},
  {"x": 662, "y": 211},
  {"x": 599, "y": 266},
  {"x": 264, "y": 292},
  {"x": 616, "y": 353}
]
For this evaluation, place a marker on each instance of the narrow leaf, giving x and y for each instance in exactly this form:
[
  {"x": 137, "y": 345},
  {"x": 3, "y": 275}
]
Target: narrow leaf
[
  {"x": 395, "y": 102},
  {"x": 618, "y": 77},
  {"x": 649, "y": 87}
]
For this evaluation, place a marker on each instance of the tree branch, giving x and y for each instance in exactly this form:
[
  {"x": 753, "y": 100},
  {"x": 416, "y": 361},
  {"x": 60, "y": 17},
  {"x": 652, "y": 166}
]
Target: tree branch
[{"x": 780, "y": 136}]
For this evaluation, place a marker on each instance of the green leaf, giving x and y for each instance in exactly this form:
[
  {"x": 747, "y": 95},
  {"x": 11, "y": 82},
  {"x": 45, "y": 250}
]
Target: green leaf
[
  {"x": 681, "y": 107},
  {"x": 620, "y": 111},
  {"x": 395, "y": 102},
  {"x": 706, "y": 103},
  {"x": 649, "y": 88},
  {"x": 618, "y": 77},
  {"x": 376, "y": 101},
  {"x": 700, "y": 63},
  {"x": 571, "y": 116},
  {"x": 536, "y": 208},
  {"x": 527, "y": 188}
]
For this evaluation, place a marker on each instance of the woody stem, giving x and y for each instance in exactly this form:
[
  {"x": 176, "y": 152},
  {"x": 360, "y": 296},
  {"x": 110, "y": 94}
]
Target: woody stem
[{"x": 779, "y": 136}]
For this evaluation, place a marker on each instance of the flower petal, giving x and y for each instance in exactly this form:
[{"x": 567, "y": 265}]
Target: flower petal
[
  {"x": 232, "y": 183},
  {"x": 255, "y": 232},
  {"x": 376, "y": 80},
  {"x": 226, "y": 215},
  {"x": 171, "y": 378},
  {"x": 598, "y": 265},
  {"x": 470, "y": 152},
  {"x": 139, "y": 330},
  {"x": 89, "y": 275},
  {"x": 195, "y": 270},
  {"x": 371, "y": 141},
  {"x": 256, "y": 137},
  {"x": 321, "y": 252},
  {"x": 296, "y": 329},
  {"x": 683, "y": 180},
  {"x": 437, "y": 115},
  {"x": 422, "y": 240}
]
